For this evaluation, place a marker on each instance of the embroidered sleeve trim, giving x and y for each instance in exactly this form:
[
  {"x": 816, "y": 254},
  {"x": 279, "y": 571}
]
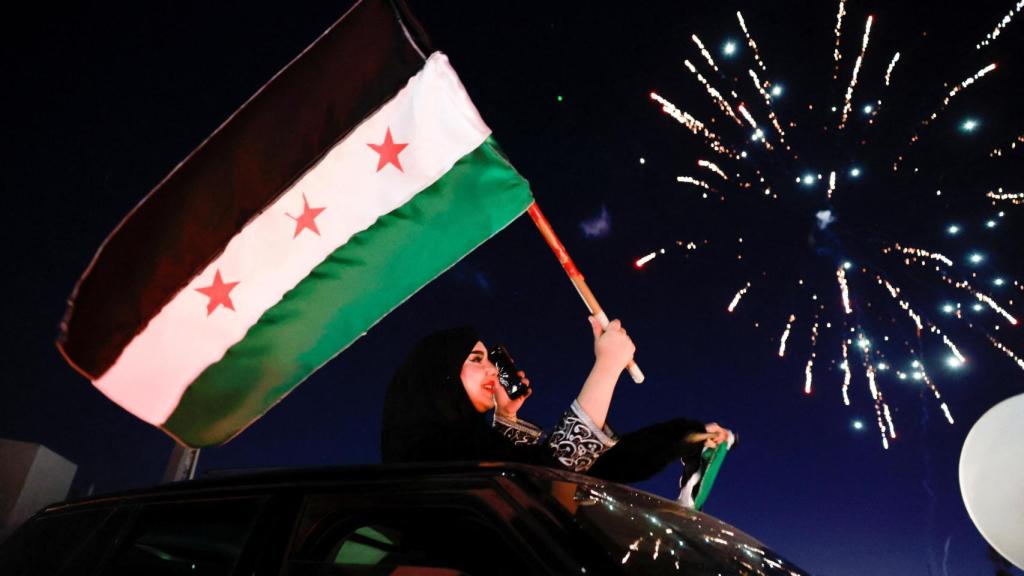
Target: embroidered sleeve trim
[
  {"x": 577, "y": 442},
  {"x": 520, "y": 432}
]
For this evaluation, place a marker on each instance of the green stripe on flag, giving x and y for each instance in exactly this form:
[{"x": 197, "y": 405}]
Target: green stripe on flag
[{"x": 349, "y": 292}]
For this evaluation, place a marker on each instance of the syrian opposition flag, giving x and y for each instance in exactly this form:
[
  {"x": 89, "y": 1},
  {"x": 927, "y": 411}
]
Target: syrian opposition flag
[{"x": 358, "y": 174}]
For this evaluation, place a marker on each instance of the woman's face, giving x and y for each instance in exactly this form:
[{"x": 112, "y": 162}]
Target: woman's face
[{"x": 479, "y": 377}]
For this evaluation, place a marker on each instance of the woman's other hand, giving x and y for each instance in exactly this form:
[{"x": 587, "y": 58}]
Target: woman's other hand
[
  {"x": 716, "y": 435},
  {"x": 507, "y": 407},
  {"x": 612, "y": 346}
]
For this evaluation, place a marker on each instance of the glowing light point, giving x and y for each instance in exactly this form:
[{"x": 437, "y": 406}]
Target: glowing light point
[
  {"x": 882, "y": 366},
  {"x": 743, "y": 154},
  {"x": 917, "y": 375},
  {"x": 868, "y": 109},
  {"x": 858, "y": 425},
  {"x": 976, "y": 258},
  {"x": 948, "y": 308},
  {"x": 953, "y": 229},
  {"x": 999, "y": 281},
  {"x": 643, "y": 161},
  {"x": 559, "y": 98},
  {"x": 847, "y": 265},
  {"x": 808, "y": 179},
  {"x": 776, "y": 90},
  {"x": 916, "y": 364},
  {"x": 855, "y": 172},
  {"x": 729, "y": 48},
  {"x": 954, "y": 362},
  {"x": 977, "y": 307},
  {"x": 969, "y": 125},
  {"x": 990, "y": 224}
]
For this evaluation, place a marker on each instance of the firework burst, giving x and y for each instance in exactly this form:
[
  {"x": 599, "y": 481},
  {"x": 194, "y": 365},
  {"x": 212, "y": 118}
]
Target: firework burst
[{"x": 859, "y": 270}]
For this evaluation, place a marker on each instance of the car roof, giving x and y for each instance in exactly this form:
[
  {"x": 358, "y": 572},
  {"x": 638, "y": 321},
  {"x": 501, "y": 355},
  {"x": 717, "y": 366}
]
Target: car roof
[{"x": 245, "y": 480}]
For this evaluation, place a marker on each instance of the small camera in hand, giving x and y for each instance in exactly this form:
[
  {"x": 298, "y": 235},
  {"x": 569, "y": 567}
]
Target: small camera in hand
[{"x": 508, "y": 374}]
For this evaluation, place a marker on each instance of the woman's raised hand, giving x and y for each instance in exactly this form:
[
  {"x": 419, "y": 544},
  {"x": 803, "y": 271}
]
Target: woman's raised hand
[{"x": 612, "y": 346}]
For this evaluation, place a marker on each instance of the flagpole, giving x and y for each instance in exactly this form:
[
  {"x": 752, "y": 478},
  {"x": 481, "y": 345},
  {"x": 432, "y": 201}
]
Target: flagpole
[{"x": 576, "y": 277}]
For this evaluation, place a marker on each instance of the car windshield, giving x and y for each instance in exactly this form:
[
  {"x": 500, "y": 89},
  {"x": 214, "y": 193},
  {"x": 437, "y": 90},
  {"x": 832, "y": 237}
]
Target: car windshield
[{"x": 646, "y": 534}]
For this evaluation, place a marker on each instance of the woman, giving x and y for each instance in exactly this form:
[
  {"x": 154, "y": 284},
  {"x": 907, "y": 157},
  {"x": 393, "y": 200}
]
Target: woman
[{"x": 436, "y": 403}]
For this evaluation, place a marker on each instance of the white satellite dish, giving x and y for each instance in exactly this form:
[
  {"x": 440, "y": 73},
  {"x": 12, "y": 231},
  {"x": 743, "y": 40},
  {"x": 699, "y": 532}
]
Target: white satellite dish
[{"x": 992, "y": 477}]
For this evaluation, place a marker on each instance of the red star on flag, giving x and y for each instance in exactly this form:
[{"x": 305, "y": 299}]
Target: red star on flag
[
  {"x": 307, "y": 219},
  {"x": 389, "y": 151},
  {"x": 219, "y": 294}
]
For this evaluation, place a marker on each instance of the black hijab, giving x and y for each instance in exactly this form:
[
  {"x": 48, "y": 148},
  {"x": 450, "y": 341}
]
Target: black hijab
[{"x": 427, "y": 413}]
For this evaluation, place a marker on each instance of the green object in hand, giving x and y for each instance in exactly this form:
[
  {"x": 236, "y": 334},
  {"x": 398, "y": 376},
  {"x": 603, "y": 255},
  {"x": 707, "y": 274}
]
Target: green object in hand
[{"x": 713, "y": 459}]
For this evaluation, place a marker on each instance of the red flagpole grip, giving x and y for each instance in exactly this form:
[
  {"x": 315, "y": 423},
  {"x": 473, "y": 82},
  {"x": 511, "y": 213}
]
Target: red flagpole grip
[{"x": 576, "y": 277}]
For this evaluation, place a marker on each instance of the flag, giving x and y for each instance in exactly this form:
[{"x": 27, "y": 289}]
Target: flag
[{"x": 354, "y": 177}]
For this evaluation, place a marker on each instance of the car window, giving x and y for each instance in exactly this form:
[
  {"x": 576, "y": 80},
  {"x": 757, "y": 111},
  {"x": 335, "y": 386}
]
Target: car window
[
  {"x": 47, "y": 544},
  {"x": 198, "y": 538},
  {"x": 338, "y": 536}
]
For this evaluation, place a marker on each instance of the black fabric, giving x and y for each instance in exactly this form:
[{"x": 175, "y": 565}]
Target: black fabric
[
  {"x": 428, "y": 417},
  {"x": 643, "y": 453}
]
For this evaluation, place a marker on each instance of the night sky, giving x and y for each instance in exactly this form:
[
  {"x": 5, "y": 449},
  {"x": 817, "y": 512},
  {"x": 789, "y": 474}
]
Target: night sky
[{"x": 103, "y": 102}]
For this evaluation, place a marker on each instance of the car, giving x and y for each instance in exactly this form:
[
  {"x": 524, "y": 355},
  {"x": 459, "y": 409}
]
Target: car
[{"x": 435, "y": 519}]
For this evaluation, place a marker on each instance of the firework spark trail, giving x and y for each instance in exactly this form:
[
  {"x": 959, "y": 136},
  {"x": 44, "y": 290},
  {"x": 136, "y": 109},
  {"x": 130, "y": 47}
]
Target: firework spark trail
[
  {"x": 844, "y": 289},
  {"x": 695, "y": 182},
  {"x": 952, "y": 94},
  {"x": 847, "y": 375},
  {"x": 881, "y": 407},
  {"x": 888, "y": 77},
  {"x": 1015, "y": 198},
  {"x": 869, "y": 371},
  {"x": 739, "y": 295},
  {"x": 768, "y": 102},
  {"x": 888, "y": 421},
  {"x": 982, "y": 297},
  {"x": 998, "y": 152},
  {"x": 836, "y": 55},
  {"x": 995, "y": 306},
  {"x": 713, "y": 92},
  {"x": 747, "y": 116},
  {"x": 935, "y": 391},
  {"x": 991, "y": 36},
  {"x": 713, "y": 167},
  {"x": 831, "y": 184},
  {"x": 704, "y": 52},
  {"x": 785, "y": 335},
  {"x": 758, "y": 133},
  {"x": 694, "y": 125},
  {"x": 809, "y": 368},
  {"x": 894, "y": 292},
  {"x": 949, "y": 344},
  {"x": 918, "y": 252},
  {"x": 1005, "y": 350},
  {"x": 643, "y": 260},
  {"x": 751, "y": 43},
  {"x": 892, "y": 64},
  {"x": 848, "y": 102}
]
